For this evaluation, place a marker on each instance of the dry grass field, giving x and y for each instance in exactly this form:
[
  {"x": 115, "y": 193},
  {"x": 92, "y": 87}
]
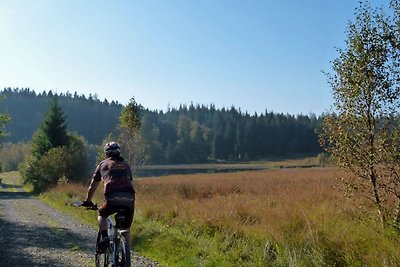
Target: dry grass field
[
  {"x": 276, "y": 217},
  {"x": 280, "y": 216},
  {"x": 244, "y": 201}
]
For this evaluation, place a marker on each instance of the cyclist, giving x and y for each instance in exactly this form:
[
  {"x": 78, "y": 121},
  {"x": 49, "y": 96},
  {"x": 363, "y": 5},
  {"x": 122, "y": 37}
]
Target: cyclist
[{"x": 118, "y": 191}]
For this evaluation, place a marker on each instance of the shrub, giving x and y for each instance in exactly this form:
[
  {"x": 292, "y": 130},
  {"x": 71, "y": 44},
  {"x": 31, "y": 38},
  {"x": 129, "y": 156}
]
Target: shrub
[
  {"x": 56, "y": 165},
  {"x": 45, "y": 172}
]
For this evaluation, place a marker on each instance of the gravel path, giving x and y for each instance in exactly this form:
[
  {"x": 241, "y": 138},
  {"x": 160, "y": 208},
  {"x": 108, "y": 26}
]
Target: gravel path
[{"x": 33, "y": 234}]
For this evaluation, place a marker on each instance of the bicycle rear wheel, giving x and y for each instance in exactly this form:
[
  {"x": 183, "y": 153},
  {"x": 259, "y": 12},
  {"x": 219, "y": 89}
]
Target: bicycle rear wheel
[{"x": 123, "y": 253}]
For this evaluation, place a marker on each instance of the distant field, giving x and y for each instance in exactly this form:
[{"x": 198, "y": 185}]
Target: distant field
[
  {"x": 274, "y": 217},
  {"x": 161, "y": 170}
]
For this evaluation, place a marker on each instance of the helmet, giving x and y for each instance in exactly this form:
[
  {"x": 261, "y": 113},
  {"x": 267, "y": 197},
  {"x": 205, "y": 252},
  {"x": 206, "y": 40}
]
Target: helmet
[{"x": 112, "y": 149}]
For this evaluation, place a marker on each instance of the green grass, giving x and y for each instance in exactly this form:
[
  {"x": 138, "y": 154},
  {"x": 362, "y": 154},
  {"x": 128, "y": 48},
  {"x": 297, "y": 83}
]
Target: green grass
[
  {"x": 63, "y": 201},
  {"x": 187, "y": 245},
  {"x": 14, "y": 182}
]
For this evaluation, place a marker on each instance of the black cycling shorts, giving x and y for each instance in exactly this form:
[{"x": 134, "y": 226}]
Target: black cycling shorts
[{"x": 113, "y": 203}]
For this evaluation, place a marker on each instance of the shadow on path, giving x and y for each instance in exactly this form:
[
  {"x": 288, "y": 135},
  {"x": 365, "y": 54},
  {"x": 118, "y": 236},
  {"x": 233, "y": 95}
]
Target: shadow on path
[
  {"x": 15, "y": 195},
  {"x": 10, "y": 186},
  {"x": 16, "y": 240}
]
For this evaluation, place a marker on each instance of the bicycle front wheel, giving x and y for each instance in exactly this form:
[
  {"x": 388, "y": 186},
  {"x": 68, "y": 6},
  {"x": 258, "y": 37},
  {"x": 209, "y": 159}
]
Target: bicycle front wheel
[
  {"x": 102, "y": 259},
  {"x": 123, "y": 253}
]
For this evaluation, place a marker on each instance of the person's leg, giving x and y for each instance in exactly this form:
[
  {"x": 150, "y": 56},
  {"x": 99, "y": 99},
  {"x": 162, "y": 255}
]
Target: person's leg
[
  {"x": 103, "y": 224},
  {"x": 104, "y": 212},
  {"x": 126, "y": 226},
  {"x": 104, "y": 240}
]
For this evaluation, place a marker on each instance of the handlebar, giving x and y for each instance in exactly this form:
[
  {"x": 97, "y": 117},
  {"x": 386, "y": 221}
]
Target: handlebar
[{"x": 88, "y": 205}]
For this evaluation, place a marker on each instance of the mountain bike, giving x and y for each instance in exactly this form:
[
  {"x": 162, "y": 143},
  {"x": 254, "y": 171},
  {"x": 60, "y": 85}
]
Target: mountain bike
[{"x": 117, "y": 254}]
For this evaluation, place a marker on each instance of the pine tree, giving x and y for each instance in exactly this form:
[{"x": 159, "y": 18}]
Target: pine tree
[
  {"x": 52, "y": 132},
  {"x": 55, "y": 156},
  {"x": 130, "y": 115}
]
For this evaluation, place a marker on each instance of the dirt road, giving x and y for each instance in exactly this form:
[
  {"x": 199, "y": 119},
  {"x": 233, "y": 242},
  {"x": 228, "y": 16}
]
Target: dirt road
[{"x": 33, "y": 234}]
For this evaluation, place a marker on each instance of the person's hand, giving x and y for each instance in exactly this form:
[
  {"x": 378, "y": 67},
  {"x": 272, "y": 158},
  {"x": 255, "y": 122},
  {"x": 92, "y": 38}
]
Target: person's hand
[{"x": 87, "y": 203}]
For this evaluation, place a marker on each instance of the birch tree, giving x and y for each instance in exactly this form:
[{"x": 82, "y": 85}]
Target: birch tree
[
  {"x": 362, "y": 132},
  {"x": 129, "y": 135}
]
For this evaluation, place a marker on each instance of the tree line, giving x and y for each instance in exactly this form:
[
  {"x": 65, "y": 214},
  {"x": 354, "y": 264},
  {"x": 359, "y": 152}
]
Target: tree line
[
  {"x": 188, "y": 134},
  {"x": 198, "y": 133},
  {"x": 87, "y": 116}
]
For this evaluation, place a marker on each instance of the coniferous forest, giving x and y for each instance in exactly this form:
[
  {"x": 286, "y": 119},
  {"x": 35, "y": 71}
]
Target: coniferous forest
[{"x": 187, "y": 134}]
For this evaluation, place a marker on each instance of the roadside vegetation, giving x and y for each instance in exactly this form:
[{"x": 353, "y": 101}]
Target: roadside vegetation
[{"x": 280, "y": 217}]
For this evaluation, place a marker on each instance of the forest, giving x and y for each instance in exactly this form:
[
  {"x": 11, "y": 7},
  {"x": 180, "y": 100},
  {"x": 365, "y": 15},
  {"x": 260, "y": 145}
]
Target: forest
[{"x": 186, "y": 134}]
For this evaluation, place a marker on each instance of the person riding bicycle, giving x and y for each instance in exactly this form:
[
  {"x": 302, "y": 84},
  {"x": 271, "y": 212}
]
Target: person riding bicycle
[{"x": 119, "y": 191}]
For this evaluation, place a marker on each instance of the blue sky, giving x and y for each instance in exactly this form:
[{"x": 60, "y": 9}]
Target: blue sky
[{"x": 256, "y": 55}]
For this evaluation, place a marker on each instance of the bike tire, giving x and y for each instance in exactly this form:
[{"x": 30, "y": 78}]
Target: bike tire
[
  {"x": 123, "y": 253},
  {"x": 102, "y": 259}
]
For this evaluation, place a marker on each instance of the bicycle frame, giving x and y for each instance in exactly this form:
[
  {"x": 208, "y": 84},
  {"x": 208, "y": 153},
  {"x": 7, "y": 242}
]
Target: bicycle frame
[{"x": 118, "y": 252}]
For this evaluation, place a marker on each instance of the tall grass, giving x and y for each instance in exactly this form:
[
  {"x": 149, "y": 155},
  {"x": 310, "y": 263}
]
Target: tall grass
[
  {"x": 281, "y": 217},
  {"x": 241, "y": 201}
]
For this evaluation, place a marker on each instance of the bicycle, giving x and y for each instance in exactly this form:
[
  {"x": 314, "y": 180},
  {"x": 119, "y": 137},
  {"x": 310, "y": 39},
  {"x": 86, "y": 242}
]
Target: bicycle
[{"x": 117, "y": 254}]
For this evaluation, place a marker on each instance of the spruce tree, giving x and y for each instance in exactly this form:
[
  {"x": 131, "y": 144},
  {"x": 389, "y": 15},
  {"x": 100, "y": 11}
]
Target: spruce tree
[
  {"x": 52, "y": 132},
  {"x": 56, "y": 156}
]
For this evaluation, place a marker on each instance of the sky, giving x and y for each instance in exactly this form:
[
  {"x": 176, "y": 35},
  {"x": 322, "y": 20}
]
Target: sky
[{"x": 256, "y": 55}]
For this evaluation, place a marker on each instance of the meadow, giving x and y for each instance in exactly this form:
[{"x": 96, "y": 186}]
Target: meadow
[{"x": 276, "y": 217}]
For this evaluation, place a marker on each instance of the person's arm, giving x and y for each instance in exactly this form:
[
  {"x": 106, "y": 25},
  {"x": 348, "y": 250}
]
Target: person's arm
[
  {"x": 91, "y": 190},
  {"x": 94, "y": 183}
]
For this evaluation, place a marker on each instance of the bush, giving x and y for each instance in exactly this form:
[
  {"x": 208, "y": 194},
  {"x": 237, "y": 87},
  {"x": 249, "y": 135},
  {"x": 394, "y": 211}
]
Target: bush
[
  {"x": 56, "y": 165},
  {"x": 44, "y": 172},
  {"x": 77, "y": 159}
]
